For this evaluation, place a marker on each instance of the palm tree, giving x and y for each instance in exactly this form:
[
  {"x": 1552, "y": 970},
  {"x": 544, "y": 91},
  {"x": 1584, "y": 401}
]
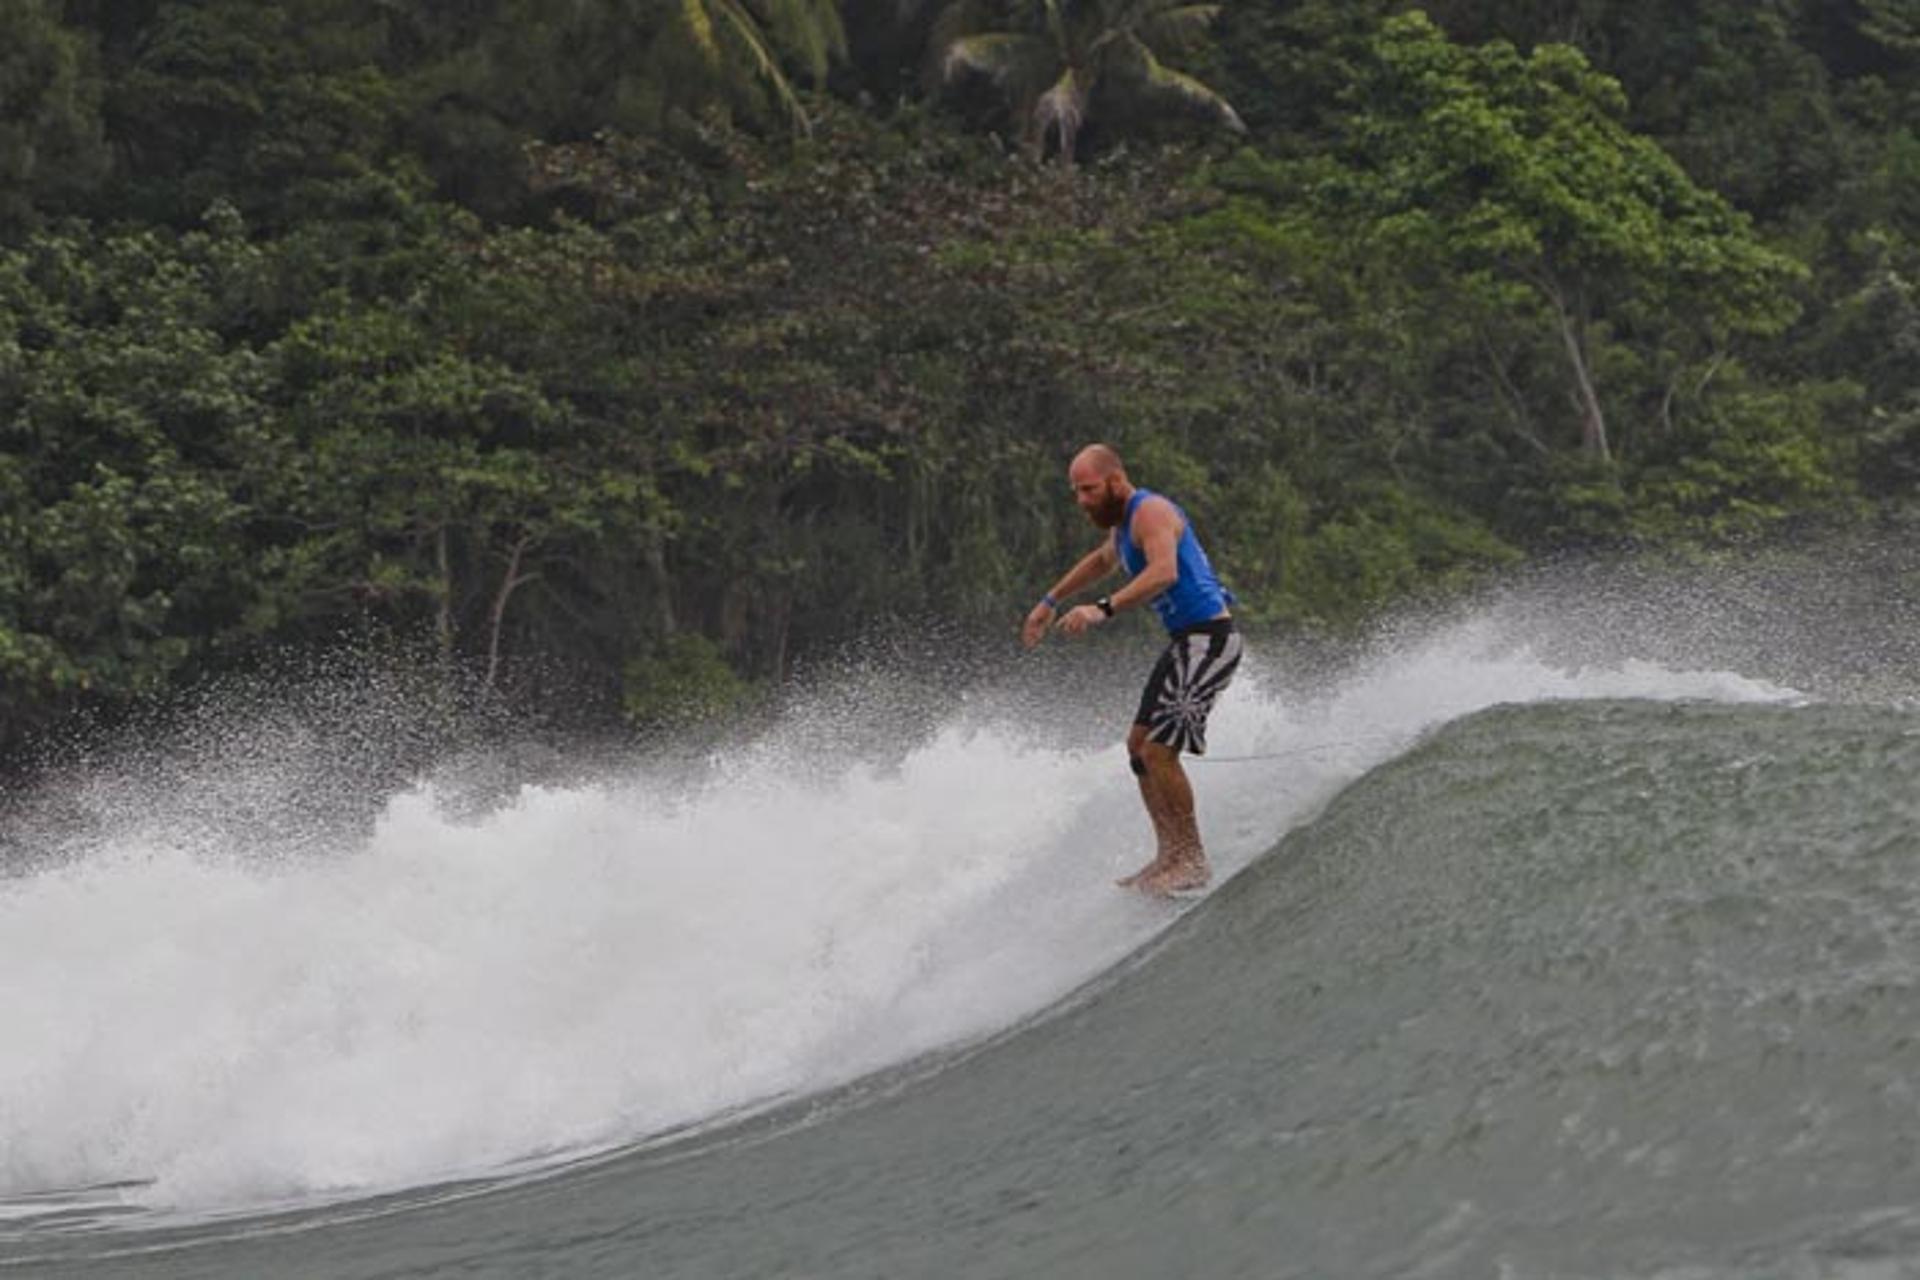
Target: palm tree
[
  {"x": 1893, "y": 24},
  {"x": 739, "y": 44},
  {"x": 1055, "y": 59}
]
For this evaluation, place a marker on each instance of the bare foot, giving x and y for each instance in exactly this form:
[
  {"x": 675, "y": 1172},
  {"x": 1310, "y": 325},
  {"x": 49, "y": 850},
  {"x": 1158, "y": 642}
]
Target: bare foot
[
  {"x": 1184, "y": 877},
  {"x": 1144, "y": 873}
]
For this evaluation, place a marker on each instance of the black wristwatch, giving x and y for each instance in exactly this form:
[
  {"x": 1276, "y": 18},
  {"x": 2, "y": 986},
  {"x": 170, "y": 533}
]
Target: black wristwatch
[{"x": 1105, "y": 605}]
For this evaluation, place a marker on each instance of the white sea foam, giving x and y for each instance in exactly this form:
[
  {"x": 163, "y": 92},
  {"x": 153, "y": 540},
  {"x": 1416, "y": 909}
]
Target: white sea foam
[{"x": 583, "y": 967}]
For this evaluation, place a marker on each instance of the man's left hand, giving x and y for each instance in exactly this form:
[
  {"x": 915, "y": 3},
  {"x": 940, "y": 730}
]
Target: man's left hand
[{"x": 1080, "y": 619}]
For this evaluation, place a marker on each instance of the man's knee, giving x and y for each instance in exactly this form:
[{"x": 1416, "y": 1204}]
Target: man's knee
[{"x": 1145, "y": 757}]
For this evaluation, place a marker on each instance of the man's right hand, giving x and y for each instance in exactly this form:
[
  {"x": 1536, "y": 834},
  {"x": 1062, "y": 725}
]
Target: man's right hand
[{"x": 1039, "y": 618}]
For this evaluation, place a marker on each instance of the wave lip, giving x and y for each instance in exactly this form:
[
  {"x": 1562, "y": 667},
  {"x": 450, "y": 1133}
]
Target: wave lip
[{"x": 210, "y": 1024}]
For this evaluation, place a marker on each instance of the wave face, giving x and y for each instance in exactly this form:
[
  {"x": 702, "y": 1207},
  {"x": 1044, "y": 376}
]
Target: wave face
[{"x": 1557, "y": 971}]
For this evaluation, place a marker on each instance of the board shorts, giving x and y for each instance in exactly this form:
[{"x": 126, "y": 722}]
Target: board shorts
[{"x": 1198, "y": 663}]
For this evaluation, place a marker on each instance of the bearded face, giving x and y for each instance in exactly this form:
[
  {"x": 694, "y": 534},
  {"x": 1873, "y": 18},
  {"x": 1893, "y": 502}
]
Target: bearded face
[
  {"x": 1101, "y": 497},
  {"x": 1101, "y": 492},
  {"x": 1108, "y": 508}
]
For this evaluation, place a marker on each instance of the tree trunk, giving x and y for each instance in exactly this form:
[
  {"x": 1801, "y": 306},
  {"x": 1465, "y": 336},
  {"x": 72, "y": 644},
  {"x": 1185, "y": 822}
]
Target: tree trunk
[
  {"x": 655, "y": 555},
  {"x": 443, "y": 620},
  {"x": 509, "y": 581},
  {"x": 781, "y": 624},
  {"x": 1593, "y": 424},
  {"x": 1516, "y": 403}
]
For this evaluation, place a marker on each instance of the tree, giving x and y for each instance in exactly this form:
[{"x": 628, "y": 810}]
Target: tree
[
  {"x": 121, "y": 530},
  {"x": 253, "y": 103},
  {"x": 1060, "y": 62},
  {"x": 1501, "y": 172},
  {"x": 51, "y": 147},
  {"x": 1893, "y": 24},
  {"x": 441, "y": 451}
]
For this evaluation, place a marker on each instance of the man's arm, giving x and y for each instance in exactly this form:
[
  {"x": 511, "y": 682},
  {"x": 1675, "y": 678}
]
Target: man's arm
[
  {"x": 1157, "y": 528},
  {"x": 1093, "y": 566}
]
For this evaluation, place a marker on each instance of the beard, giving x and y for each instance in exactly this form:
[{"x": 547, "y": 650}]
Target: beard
[{"x": 1109, "y": 511}]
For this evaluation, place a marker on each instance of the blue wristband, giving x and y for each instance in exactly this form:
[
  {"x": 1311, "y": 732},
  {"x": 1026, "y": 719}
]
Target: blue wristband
[{"x": 1050, "y": 602}]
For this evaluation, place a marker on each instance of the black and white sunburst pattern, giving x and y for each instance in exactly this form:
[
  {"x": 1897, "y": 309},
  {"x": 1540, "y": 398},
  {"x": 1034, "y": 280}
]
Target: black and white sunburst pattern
[{"x": 1196, "y": 669}]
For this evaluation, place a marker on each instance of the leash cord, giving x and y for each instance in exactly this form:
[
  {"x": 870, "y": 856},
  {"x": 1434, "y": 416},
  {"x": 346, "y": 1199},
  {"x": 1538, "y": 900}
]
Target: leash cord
[{"x": 1284, "y": 755}]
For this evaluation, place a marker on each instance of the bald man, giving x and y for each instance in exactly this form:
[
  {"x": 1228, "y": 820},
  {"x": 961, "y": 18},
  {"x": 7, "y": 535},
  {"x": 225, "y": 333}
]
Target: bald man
[{"x": 1152, "y": 540}]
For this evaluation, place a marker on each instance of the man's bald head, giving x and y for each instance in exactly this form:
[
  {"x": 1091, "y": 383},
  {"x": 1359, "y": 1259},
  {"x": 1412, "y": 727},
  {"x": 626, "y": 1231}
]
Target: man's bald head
[
  {"x": 1100, "y": 484},
  {"x": 1098, "y": 461}
]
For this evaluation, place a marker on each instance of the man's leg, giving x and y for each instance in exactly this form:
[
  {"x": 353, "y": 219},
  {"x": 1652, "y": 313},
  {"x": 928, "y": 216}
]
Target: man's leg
[
  {"x": 1182, "y": 863},
  {"x": 1196, "y": 666},
  {"x": 1163, "y": 833}
]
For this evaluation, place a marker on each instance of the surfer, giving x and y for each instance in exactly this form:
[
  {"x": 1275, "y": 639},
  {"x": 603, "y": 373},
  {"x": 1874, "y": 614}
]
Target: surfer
[{"x": 1152, "y": 539}]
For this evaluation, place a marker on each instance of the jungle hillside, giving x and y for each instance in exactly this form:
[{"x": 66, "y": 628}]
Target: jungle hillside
[{"x": 667, "y": 345}]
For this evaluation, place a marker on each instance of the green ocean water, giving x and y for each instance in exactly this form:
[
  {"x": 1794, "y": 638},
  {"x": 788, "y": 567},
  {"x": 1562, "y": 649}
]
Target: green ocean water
[{"x": 1583, "y": 987}]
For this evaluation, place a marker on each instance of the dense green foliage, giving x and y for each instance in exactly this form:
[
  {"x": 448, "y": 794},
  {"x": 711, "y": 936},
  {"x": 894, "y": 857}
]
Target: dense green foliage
[{"x": 669, "y": 343}]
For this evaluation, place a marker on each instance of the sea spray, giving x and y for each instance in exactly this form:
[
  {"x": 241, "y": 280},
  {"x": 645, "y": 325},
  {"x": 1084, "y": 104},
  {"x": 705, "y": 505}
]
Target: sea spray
[{"x": 435, "y": 989}]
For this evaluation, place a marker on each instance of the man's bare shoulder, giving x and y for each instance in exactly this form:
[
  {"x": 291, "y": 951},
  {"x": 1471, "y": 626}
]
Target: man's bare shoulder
[{"x": 1156, "y": 515}]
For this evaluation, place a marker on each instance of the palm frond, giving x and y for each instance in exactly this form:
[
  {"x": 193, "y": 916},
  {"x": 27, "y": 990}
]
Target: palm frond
[
  {"x": 1153, "y": 24},
  {"x": 1052, "y": 59},
  {"x": 809, "y": 30},
  {"x": 1177, "y": 28},
  {"x": 747, "y": 34},
  {"x": 699, "y": 28},
  {"x": 954, "y": 20},
  {"x": 1164, "y": 80},
  {"x": 1893, "y": 23},
  {"x": 1131, "y": 15},
  {"x": 1057, "y": 28},
  {"x": 1002, "y": 55}
]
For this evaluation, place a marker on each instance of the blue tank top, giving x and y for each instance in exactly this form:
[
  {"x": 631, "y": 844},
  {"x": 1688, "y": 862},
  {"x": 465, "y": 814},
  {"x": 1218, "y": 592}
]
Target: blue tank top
[{"x": 1196, "y": 595}]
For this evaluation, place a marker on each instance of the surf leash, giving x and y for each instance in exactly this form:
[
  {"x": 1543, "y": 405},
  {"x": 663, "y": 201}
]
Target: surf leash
[{"x": 1289, "y": 754}]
